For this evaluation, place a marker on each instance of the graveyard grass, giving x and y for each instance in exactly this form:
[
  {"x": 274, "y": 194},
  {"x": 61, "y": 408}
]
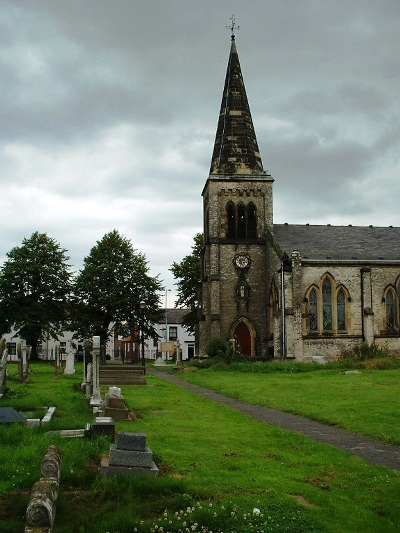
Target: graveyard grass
[{"x": 216, "y": 464}]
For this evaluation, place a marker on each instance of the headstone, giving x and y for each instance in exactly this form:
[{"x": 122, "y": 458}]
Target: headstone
[
  {"x": 95, "y": 371},
  {"x": 20, "y": 367},
  {"x": 70, "y": 361},
  {"x": 114, "y": 392},
  {"x": 3, "y": 365},
  {"x": 129, "y": 455},
  {"x": 24, "y": 358},
  {"x": 103, "y": 426},
  {"x": 57, "y": 357},
  {"x": 114, "y": 406},
  {"x": 8, "y": 415},
  {"x": 88, "y": 382}
]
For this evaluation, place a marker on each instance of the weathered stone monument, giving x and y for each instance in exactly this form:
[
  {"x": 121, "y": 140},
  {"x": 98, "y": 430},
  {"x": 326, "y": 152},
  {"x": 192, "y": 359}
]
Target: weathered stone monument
[
  {"x": 130, "y": 455},
  {"x": 115, "y": 404},
  {"x": 70, "y": 360},
  {"x": 23, "y": 352},
  {"x": 95, "y": 400},
  {"x": 3, "y": 365},
  {"x": 41, "y": 508}
]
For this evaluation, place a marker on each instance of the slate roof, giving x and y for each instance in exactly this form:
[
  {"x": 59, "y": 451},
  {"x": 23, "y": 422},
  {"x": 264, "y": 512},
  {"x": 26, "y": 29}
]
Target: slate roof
[
  {"x": 360, "y": 243},
  {"x": 175, "y": 316}
]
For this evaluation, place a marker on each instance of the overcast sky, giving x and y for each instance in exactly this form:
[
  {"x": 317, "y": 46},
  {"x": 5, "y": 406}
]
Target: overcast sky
[{"x": 108, "y": 113}]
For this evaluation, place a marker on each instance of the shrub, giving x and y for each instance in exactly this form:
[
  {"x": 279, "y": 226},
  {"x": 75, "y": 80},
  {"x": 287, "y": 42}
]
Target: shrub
[
  {"x": 364, "y": 351},
  {"x": 217, "y": 347},
  {"x": 223, "y": 350}
]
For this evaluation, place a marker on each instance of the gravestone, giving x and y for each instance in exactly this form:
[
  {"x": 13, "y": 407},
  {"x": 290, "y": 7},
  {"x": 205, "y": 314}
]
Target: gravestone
[
  {"x": 115, "y": 404},
  {"x": 3, "y": 365},
  {"x": 96, "y": 395},
  {"x": 103, "y": 426},
  {"x": 70, "y": 360},
  {"x": 130, "y": 455},
  {"x": 8, "y": 415}
]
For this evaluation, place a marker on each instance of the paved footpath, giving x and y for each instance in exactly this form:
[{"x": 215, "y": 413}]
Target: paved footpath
[{"x": 369, "y": 449}]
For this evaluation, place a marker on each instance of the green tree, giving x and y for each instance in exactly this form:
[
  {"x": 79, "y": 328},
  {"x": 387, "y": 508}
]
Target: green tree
[
  {"x": 113, "y": 288},
  {"x": 188, "y": 274},
  {"x": 35, "y": 287}
]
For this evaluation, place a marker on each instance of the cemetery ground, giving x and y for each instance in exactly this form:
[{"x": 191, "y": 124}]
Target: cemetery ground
[{"x": 216, "y": 464}]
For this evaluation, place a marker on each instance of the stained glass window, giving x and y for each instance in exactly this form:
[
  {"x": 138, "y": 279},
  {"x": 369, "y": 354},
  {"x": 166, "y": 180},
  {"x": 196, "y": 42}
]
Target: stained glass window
[
  {"x": 313, "y": 310},
  {"x": 390, "y": 319},
  {"x": 327, "y": 305},
  {"x": 341, "y": 308}
]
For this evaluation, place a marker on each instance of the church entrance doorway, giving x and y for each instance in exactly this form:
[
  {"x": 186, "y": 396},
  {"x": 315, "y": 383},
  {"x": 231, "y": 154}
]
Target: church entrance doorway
[{"x": 242, "y": 338}]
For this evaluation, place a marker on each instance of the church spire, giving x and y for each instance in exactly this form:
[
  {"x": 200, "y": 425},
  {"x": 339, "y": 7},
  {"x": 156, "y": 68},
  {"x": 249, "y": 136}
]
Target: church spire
[{"x": 235, "y": 149}]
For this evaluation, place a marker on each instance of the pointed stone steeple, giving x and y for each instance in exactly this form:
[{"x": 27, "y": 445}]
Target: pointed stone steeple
[{"x": 235, "y": 149}]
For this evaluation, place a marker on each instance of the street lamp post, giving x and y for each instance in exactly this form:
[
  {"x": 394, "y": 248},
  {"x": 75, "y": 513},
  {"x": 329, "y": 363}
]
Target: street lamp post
[
  {"x": 166, "y": 319},
  {"x": 142, "y": 309}
]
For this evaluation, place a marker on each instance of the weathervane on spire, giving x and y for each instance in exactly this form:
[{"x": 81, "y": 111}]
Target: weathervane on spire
[{"x": 233, "y": 27}]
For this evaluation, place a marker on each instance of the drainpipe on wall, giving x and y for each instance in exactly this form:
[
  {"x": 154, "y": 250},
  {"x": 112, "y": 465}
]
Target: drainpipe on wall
[
  {"x": 283, "y": 304},
  {"x": 362, "y": 270}
]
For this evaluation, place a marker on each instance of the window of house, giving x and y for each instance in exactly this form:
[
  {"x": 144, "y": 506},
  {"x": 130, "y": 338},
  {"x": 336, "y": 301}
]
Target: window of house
[
  {"x": 191, "y": 351},
  {"x": 12, "y": 348},
  {"x": 173, "y": 333}
]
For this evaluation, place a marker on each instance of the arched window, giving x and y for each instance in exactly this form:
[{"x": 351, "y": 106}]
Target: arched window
[
  {"x": 273, "y": 307},
  {"x": 251, "y": 221},
  {"x": 313, "y": 310},
  {"x": 241, "y": 222},
  {"x": 390, "y": 312},
  {"x": 327, "y": 305},
  {"x": 341, "y": 310},
  {"x": 231, "y": 233}
]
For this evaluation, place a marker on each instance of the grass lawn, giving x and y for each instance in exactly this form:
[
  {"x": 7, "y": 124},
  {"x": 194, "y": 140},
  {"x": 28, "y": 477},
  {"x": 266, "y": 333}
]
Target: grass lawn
[
  {"x": 367, "y": 403},
  {"x": 216, "y": 466}
]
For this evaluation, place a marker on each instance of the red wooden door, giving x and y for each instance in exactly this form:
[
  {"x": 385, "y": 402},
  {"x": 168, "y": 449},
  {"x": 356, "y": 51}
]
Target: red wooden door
[{"x": 243, "y": 338}]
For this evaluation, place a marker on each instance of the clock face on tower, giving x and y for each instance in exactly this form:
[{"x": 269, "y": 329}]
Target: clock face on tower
[{"x": 241, "y": 261}]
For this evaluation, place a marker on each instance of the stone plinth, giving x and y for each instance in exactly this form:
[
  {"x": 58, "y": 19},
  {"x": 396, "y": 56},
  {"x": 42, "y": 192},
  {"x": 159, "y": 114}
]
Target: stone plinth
[
  {"x": 115, "y": 408},
  {"x": 130, "y": 458},
  {"x": 129, "y": 455},
  {"x": 131, "y": 441},
  {"x": 103, "y": 425},
  {"x": 112, "y": 374}
]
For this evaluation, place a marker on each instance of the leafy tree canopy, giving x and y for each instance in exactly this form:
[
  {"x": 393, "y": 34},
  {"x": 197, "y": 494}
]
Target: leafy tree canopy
[
  {"x": 35, "y": 286},
  {"x": 188, "y": 274},
  {"x": 114, "y": 287}
]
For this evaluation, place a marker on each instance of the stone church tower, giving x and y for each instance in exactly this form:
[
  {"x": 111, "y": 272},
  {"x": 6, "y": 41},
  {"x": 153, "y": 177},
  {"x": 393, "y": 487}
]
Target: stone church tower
[{"x": 238, "y": 214}]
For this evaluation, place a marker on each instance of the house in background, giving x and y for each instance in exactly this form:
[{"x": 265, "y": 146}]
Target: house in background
[
  {"x": 173, "y": 331},
  {"x": 126, "y": 349}
]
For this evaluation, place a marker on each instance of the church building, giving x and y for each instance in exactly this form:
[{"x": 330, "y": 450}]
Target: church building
[{"x": 285, "y": 290}]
